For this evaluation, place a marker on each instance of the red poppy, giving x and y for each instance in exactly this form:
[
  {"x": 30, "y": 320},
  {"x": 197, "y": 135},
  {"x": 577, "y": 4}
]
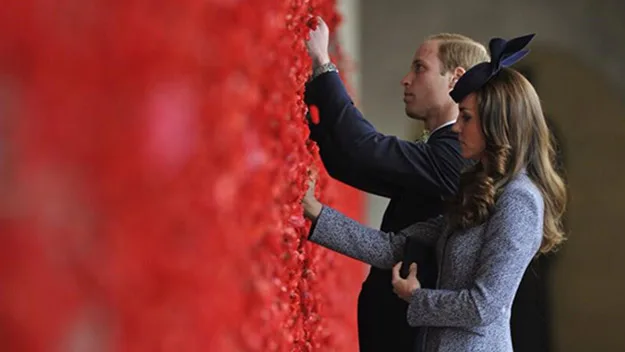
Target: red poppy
[{"x": 153, "y": 159}]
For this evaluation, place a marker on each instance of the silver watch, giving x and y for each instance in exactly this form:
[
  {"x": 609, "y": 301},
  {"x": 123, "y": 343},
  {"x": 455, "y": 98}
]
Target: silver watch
[{"x": 327, "y": 67}]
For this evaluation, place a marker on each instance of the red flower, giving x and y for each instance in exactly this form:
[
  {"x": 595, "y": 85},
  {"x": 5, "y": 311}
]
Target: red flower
[
  {"x": 314, "y": 114},
  {"x": 154, "y": 167}
]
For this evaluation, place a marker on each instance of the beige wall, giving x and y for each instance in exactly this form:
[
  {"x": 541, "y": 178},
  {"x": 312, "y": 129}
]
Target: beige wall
[
  {"x": 588, "y": 283},
  {"x": 579, "y": 63}
]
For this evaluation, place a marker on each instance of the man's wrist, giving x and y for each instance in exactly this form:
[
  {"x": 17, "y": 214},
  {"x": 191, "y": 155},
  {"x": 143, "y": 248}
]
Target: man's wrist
[
  {"x": 319, "y": 61},
  {"x": 319, "y": 70}
]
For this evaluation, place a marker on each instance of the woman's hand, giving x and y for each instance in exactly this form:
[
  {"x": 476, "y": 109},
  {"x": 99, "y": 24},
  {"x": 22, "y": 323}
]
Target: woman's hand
[
  {"x": 312, "y": 207},
  {"x": 404, "y": 288}
]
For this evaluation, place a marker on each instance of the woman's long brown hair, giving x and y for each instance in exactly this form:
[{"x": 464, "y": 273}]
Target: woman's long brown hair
[{"x": 517, "y": 137}]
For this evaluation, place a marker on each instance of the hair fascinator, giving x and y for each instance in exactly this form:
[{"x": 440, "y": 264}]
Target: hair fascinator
[{"x": 502, "y": 54}]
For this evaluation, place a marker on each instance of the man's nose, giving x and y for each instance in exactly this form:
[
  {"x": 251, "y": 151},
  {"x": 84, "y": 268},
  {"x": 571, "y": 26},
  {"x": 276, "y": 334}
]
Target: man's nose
[{"x": 405, "y": 81}]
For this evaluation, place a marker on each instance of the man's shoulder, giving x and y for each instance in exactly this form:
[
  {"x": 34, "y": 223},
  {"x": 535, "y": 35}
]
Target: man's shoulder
[
  {"x": 445, "y": 139},
  {"x": 444, "y": 133}
]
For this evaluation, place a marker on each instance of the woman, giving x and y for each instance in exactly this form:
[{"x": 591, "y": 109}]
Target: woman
[{"x": 508, "y": 210}]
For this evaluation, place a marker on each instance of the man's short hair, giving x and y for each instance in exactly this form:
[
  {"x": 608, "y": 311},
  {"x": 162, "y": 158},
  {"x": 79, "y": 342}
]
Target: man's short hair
[{"x": 457, "y": 50}]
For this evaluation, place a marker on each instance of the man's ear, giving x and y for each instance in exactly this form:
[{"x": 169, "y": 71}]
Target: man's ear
[{"x": 455, "y": 76}]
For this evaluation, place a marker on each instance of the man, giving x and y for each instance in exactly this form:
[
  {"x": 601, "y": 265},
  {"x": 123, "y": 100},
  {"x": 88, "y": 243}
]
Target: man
[{"x": 416, "y": 176}]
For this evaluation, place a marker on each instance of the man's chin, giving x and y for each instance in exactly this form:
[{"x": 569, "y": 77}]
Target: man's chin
[{"x": 414, "y": 116}]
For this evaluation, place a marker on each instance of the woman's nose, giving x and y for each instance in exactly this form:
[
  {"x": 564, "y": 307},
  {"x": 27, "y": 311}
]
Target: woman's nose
[{"x": 456, "y": 127}]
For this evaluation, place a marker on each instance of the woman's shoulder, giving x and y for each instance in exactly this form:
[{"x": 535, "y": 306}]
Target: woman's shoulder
[{"x": 520, "y": 191}]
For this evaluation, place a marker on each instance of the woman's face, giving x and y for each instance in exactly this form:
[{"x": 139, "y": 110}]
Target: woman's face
[{"x": 469, "y": 129}]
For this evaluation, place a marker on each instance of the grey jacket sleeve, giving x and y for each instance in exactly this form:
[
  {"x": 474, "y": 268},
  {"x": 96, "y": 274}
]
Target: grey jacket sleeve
[
  {"x": 341, "y": 234},
  {"x": 513, "y": 236}
]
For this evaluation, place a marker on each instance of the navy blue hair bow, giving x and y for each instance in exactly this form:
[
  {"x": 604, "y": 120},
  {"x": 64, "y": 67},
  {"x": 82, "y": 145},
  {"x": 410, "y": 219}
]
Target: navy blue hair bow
[{"x": 502, "y": 54}]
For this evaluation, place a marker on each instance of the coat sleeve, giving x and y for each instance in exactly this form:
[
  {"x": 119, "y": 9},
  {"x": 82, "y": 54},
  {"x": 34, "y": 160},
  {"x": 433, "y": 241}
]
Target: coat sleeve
[
  {"x": 341, "y": 234},
  {"x": 340, "y": 167},
  {"x": 513, "y": 237},
  {"x": 431, "y": 168}
]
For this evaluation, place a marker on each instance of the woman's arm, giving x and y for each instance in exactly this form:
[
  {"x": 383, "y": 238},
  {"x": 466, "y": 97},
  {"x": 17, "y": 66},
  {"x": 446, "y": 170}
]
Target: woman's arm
[
  {"x": 514, "y": 234},
  {"x": 339, "y": 233}
]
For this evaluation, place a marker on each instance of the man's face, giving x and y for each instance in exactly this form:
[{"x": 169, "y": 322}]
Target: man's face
[{"x": 426, "y": 90}]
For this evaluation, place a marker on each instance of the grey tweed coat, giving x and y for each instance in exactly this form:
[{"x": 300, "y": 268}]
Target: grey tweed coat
[{"x": 479, "y": 269}]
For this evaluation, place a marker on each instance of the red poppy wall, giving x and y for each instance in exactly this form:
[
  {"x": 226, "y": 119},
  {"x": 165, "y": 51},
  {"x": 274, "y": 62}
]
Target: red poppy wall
[{"x": 152, "y": 159}]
